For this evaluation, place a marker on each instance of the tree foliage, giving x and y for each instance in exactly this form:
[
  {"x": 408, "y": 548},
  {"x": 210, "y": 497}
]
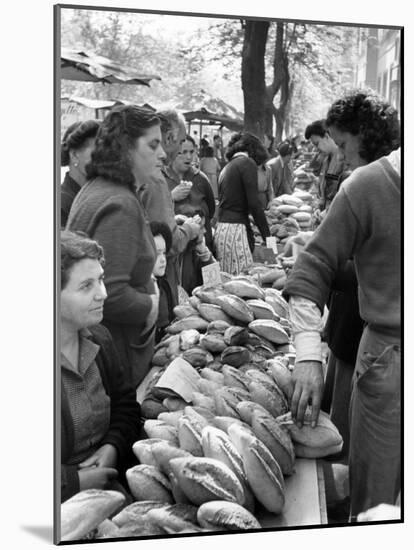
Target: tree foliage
[
  {"x": 302, "y": 61},
  {"x": 288, "y": 72},
  {"x": 123, "y": 37}
]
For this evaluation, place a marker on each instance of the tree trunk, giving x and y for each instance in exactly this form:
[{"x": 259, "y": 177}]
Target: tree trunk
[
  {"x": 286, "y": 91},
  {"x": 253, "y": 76}
]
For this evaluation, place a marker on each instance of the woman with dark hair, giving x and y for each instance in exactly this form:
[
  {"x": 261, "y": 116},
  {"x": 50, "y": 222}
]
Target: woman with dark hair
[
  {"x": 238, "y": 197},
  {"x": 100, "y": 418},
  {"x": 199, "y": 193},
  {"x": 75, "y": 152},
  {"x": 128, "y": 150}
]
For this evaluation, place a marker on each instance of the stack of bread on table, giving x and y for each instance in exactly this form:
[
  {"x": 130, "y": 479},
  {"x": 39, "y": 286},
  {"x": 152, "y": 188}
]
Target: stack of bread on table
[
  {"x": 286, "y": 215},
  {"x": 219, "y": 448}
]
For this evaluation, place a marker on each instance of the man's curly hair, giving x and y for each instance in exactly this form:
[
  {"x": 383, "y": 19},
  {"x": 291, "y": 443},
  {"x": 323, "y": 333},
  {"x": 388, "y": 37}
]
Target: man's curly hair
[{"x": 363, "y": 113}]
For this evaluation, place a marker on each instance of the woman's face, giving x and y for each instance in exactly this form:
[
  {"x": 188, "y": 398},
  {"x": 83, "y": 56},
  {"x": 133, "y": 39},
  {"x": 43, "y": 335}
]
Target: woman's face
[
  {"x": 348, "y": 147},
  {"x": 147, "y": 157},
  {"x": 185, "y": 157},
  {"x": 161, "y": 261},
  {"x": 82, "y": 156},
  {"x": 83, "y": 297}
]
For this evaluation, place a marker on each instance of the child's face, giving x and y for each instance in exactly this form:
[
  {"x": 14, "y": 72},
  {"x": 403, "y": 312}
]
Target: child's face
[{"x": 161, "y": 261}]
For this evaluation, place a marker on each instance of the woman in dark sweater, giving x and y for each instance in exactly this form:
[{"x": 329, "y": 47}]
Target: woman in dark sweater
[
  {"x": 100, "y": 416},
  {"x": 127, "y": 151},
  {"x": 77, "y": 144},
  {"x": 238, "y": 197}
]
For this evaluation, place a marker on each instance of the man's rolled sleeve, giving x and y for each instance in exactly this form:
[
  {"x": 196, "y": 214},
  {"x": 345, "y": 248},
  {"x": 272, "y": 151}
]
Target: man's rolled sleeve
[{"x": 307, "y": 325}]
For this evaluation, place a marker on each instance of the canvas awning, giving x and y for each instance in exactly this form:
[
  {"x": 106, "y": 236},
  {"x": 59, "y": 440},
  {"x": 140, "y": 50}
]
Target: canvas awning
[
  {"x": 88, "y": 67},
  {"x": 205, "y": 118},
  {"x": 204, "y": 109}
]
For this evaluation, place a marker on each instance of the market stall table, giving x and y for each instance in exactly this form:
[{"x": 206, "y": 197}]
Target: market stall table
[{"x": 305, "y": 490}]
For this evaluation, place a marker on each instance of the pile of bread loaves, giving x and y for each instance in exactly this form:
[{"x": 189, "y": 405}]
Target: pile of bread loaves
[
  {"x": 217, "y": 459},
  {"x": 287, "y": 215}
]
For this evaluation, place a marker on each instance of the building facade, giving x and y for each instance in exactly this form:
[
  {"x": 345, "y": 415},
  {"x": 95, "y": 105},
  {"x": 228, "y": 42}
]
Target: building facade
[{"x": 379, "y": 62}]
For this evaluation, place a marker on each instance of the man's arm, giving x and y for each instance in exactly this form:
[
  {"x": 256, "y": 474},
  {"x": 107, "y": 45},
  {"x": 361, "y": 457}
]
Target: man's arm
[
  {"x": 312, "y": 276},
  {"x": 307, "y": 325}
]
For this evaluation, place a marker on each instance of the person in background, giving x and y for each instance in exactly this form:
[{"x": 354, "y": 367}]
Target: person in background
[
  {"x": 296, "y": 148},
  {"x": 210, "y": 166},
  {"x": 238, "y": 197},
  {"x": 163, "y": 239},
  {"x": 75, "y": 152},
  {"x": 199, "y": 194},
  {"x": 219, "y": 150},
  {"x": 356, "y": 227},
  {"x": 204, "y": 143},
  {"x": 282, "y": 175},
  {"x": 127, "y": 152},
  {"x": 159, "y": 201},
  {"x": 264, "y": 184},
  {"x": 268, "y": 141},
  {"x": 197, "y": 254},
  {"x": 100, "y": 417},
  {"x": 332, "y": 164}
]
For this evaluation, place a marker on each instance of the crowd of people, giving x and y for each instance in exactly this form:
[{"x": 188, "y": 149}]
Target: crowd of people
[{"x": 144, "y": 208}]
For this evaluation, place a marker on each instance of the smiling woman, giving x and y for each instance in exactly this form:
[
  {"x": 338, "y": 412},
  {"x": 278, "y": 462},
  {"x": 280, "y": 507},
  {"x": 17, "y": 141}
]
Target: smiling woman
[
  {"x": 127, "y": 152},
  {"x": 100, "y": 416}
]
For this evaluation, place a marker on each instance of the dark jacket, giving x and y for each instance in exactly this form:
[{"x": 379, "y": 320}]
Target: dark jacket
[
  {"x": 68, "y": 191},
  {"x": 114, "y": 216},
  {"x": 200, "y": 196},
  {"x": 191, "y": 265},
  {"x": 344, "y": 326},
  {"x": 166, "y": 307},
  {"x": 282, "y": 177},
  {"x": 125, "y": 419},
  {"x": 238, "y": 197}
]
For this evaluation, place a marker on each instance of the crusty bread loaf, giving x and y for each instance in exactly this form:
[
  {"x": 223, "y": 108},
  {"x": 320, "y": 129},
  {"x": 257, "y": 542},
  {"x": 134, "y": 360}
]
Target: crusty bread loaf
[
  {"x": 204, "y": 479},
  {"x": 86, "y": 510},
  {"x": 226, "y": 516},
  {"x": 148, "y": 483}
]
